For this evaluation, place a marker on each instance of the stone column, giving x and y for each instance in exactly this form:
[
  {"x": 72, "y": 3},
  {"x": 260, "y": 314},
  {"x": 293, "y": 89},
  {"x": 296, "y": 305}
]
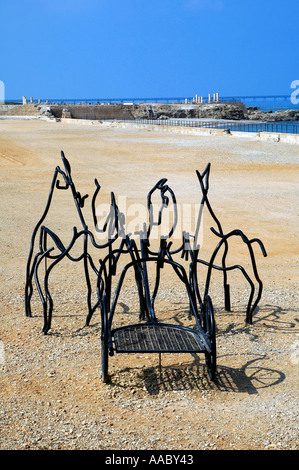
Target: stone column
[
  {"x": 209, "y": 97},
  {"x": 25, "y": 100}
]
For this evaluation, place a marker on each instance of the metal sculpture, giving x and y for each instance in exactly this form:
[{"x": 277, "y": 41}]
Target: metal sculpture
[
  {"x": 44, "y": 235},
  {"x": 149, "y": 335}
]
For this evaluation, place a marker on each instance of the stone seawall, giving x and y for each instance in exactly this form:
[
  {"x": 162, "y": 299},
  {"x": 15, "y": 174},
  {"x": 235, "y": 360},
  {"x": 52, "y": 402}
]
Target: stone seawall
[
  {"x": 95, "y": 112},
  {"x": 132, "y": 111}
]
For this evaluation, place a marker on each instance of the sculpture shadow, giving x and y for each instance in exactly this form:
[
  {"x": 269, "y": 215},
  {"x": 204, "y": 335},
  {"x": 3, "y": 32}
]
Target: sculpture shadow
[
  {"x": 252, "y": 376},
  {"x": 192, "y": 376}
]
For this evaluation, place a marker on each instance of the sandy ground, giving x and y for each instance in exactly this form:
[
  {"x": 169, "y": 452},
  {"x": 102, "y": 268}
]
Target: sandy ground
[{"x": 52, "y": 396}]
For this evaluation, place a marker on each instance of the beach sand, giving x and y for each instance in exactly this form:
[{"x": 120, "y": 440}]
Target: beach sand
[{"x": 52, "y": 396}]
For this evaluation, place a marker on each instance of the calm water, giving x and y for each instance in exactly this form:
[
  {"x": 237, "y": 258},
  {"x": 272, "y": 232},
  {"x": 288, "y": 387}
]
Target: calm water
[
  {"x": 289, "y": 127},
  {"x": 270, "y": 104}
]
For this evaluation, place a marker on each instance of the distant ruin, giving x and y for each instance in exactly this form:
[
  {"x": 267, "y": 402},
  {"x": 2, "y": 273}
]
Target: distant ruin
[
  {"x": 195, "y": 108},
  {"x": 131, "y": 111}
]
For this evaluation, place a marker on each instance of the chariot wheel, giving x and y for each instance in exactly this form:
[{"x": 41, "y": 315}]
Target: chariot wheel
[
  {"x": 211, "y": 333},
  {"x": 104, "y": 342}
]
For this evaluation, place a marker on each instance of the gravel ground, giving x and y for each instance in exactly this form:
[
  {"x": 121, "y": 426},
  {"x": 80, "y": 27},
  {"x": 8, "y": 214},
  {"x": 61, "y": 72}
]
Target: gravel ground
[{"x": 52, "y": 396}]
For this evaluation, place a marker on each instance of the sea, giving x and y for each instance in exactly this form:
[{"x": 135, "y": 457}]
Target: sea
[{"x": 270, "y": 104}]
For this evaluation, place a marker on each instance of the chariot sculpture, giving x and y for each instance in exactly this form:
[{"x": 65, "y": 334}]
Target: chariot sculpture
[{"x": 121, "y": 251}]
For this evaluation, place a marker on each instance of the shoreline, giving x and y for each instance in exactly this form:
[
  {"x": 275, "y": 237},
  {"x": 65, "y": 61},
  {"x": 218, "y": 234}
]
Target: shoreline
[
  {"x": 282, "y": 137},
  {"x": 236, "y": 112},
  {"x": 205, "y": 131}
]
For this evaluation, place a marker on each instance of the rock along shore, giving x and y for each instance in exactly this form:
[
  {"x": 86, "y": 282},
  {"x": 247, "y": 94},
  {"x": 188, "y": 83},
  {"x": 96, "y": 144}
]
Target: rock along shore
[{"x": 131, "y": 111}]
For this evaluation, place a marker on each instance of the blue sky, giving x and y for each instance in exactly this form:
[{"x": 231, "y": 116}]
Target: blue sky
[{"x": 147, "y": 48}]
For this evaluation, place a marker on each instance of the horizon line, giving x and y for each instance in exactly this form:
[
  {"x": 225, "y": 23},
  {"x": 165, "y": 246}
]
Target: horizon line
[{"x": 157, "y": 99}]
